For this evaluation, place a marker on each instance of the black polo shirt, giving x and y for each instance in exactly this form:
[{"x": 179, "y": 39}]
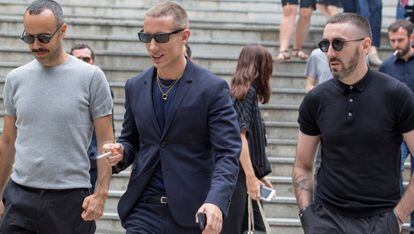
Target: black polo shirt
[{"x": 360, "y": 127}]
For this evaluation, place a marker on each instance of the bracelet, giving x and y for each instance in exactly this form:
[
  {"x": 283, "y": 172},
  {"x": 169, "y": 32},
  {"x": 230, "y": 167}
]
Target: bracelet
[{"x": 398, "y": 217}]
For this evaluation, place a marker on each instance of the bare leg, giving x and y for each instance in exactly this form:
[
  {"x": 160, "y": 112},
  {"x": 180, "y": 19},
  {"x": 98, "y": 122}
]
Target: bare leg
[
  {"x": 287, "y": 25},
  {"x": 333, "y": 10},
  {"x": 323, "y": 9},
  {"x": 302, "y": 29}
]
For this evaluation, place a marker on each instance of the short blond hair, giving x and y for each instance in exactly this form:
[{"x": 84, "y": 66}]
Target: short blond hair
[{"x": 179, "y": 15}]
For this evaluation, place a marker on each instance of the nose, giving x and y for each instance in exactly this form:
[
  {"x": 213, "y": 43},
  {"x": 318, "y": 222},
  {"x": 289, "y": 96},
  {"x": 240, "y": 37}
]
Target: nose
[
  {"x": 36, "y": 44},
  {"x": 152, "y": 45},
  {"x": 331, "y": 52}
]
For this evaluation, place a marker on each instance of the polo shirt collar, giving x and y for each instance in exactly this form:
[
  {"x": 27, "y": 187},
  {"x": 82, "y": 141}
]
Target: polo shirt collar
[{"x": 359, "y": 86}]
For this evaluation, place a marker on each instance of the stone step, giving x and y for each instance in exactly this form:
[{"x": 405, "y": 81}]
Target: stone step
[
  {"x": 249, "y": 32},
  {"x": 264, "y": 12},
  {"x": 117, "y": 77},
  {"x": 284, "y": 130},
  {"x": 140, "y": 60}
]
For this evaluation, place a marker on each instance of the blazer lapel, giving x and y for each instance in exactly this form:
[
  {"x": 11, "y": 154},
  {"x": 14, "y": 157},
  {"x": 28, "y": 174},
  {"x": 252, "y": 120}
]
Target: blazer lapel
[
  {"x": 148, "y": 103},
  {"x": 182, "y": 90}
]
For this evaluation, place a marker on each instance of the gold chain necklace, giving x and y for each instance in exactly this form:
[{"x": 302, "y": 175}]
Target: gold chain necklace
[{"x": 164, "y": 95}]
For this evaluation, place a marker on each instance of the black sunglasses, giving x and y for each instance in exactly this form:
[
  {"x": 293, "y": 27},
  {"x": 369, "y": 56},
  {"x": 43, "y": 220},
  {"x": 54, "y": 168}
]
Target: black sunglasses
[
  {"x": 337, "y": 44},
  {"x": 42, "y": 38},
  {"x": 85, "y": 59},
  {"x": 158, "y": 37}
]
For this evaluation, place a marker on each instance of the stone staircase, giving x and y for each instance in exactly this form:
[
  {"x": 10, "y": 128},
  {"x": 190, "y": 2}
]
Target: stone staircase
[{"x": 220, "y": 28}]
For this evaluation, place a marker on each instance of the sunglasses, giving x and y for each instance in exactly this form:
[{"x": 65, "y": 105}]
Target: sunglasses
[
  {"x": 158, "y": 37},
  {"x": 337, "y": 44},
  {"x": 43, "y": 38},
  {"x": 85, "y": 59}
]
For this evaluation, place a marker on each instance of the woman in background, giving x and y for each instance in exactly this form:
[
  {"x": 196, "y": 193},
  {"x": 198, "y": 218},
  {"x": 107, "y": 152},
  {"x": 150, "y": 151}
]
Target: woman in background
[{"x": 249, "y": 86}]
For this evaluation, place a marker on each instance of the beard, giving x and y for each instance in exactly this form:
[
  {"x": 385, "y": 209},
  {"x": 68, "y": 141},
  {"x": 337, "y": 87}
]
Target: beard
[
  {"x": 341, "y": 74},
  {"x": 404, "y": 51}
]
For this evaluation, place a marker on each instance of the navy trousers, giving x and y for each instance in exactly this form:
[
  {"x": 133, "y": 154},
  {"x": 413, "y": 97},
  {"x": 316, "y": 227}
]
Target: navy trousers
[{"x": 148, "y": 218}]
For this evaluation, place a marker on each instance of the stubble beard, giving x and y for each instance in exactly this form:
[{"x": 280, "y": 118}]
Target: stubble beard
[{"x": 346, "y": 71}]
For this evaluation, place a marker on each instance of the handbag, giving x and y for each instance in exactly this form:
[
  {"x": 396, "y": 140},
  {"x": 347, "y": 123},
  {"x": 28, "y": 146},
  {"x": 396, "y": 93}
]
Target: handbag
[{"x": 250, "y": 221}]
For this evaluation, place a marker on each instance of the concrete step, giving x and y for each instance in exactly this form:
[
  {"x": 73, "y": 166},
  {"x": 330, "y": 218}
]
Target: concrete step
[
  {"x": 284, "y": 130},
  {"x": 251, "y": 32},
  {"x": 117, "y": 77},
  {"x": 267, "y": 12}
]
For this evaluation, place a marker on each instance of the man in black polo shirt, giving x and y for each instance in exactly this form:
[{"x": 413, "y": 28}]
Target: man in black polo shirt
[{"x": 360, "y": 118}]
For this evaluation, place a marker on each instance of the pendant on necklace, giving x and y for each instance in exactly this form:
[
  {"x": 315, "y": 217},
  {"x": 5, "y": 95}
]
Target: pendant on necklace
[{"x": 164, "y": 96}]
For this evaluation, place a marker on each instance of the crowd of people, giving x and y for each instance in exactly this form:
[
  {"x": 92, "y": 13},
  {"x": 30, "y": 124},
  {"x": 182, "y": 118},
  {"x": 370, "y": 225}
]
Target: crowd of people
[{"x": 182, "y": 121}]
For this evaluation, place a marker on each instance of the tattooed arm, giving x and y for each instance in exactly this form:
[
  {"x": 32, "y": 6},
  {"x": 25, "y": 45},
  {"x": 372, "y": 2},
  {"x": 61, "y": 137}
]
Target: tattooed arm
[{"x": 302, "y": 172}]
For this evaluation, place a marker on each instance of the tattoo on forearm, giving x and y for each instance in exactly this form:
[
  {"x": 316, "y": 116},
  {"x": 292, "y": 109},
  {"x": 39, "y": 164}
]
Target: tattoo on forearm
[{"x": 302, "y": 183}]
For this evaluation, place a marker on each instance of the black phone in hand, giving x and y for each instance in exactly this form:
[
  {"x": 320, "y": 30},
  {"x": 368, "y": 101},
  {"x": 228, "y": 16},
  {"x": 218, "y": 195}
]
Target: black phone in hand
[{"x": 202, "y": 220}]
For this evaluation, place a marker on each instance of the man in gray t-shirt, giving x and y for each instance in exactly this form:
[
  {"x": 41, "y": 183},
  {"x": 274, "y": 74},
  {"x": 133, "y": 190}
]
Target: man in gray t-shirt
[
  {"x": 51, "y": 105},
  {"x": 317, "y": 69}
]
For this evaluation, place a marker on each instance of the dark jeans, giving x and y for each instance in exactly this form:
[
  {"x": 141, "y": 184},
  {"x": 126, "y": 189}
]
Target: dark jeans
[
  {"x": 316, "y": 219},
  {"x": 372, "y": 11},
  {"x": 148, "y": 218},
  {"x": 30, "y": 211}
]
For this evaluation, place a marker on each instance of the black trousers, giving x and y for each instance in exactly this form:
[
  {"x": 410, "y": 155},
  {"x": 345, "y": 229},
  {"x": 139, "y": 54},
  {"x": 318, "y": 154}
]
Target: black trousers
[
  {"x": 30, "y": 211},
  {"x": 316, "y": 219},
  {"x": 153, "y": 217},
  {"x": 236, "y": 221}
]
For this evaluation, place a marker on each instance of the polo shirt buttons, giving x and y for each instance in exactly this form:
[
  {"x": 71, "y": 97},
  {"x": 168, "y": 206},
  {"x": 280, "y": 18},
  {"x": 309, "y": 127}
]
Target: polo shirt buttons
[
  {"x": 351, "y": 87},
  {"x": 351, "y": 100},
  {"x": 349, "y": 114}
]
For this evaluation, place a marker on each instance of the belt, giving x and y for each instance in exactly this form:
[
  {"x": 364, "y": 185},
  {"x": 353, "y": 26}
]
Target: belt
[{"x": 155, "y": 200}]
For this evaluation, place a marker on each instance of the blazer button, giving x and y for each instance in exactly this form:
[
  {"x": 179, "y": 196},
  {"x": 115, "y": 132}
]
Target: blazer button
[{"x": 163, "y": 144}]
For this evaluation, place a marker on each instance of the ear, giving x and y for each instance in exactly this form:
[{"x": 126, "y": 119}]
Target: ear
[
  {"x": 63, "y": 30},
  {"x": 186, "y": 35},
  {"x": 412, "y": 38},
  {"x": 366, "y": 44}
]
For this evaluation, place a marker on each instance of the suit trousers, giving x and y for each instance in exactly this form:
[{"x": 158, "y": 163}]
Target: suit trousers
[
  {"x": 149, "y": 218},
  {"x": 317, "y": 219},
  {"x": 30, "y": 211}
]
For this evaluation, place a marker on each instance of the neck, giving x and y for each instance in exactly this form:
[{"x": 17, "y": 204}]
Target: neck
[
  {"x": 357, "y": 74},
  {"x": 173, "y": 72}
]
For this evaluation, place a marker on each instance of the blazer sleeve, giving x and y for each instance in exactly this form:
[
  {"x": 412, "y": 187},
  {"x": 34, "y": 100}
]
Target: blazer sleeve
[
  {"x": 226, "y": 144},
  {"x": 129, "y": 135}
]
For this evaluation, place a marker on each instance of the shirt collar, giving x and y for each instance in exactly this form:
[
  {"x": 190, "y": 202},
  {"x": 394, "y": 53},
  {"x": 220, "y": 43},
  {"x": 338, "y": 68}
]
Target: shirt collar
[{"x": 359, "y": 86}]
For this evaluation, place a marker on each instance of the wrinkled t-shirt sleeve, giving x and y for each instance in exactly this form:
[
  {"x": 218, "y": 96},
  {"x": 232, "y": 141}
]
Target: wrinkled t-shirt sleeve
[{"x": 100, "y": 99}]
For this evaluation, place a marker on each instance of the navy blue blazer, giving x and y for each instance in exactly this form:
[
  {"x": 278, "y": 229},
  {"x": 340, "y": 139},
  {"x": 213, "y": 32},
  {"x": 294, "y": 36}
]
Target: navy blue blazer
[{"x": 199, "y": 147}]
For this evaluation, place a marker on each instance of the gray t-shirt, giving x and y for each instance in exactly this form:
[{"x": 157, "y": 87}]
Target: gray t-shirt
[
  {"x": 317, "y": 67},
  {"x": 54, "y": 109}
]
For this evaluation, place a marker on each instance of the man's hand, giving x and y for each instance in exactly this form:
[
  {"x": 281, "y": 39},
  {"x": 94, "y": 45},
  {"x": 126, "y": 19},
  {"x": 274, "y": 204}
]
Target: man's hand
[
  {"x": 93, "y": 206},
  {"x": 214, "y": 218},
  {"x": 117, "y": 151}
]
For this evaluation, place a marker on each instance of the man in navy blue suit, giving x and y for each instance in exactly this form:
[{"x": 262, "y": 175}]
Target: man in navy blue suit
[{"x": 180, "y": 134}]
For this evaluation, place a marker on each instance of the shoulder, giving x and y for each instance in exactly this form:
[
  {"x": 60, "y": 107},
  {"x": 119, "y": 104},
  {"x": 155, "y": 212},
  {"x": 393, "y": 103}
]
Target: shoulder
[
  {"x": 387, "y": 63},
  {"x": 20, "y": 72},
  {"x": 141, "y": 77}
]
